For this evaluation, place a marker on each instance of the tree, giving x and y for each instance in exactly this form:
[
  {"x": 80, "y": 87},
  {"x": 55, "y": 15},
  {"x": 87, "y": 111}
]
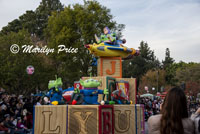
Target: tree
[
  {"x": 28, "y": 21},
  {"x": 153, "y": 79},
  {"x": 168, "y": 60},
  {"x": 167, "y": 65},
  {"x": 13, "y": 76},
  {"x": 44, "y": 11},
  {"x": 74, "y": 27},
  {"x": 35, "y": 21},
  {"x": 13, "y": 26},
  {"x": 138, "y": 66},
  {"x": 190, "y": 76}
]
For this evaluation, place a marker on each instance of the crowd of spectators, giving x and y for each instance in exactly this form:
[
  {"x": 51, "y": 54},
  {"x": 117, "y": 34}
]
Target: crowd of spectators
[
  {"x": 152, "y": 105},
  {"x": 16, "y": 113},
  {"x": 193, "y": 104}
]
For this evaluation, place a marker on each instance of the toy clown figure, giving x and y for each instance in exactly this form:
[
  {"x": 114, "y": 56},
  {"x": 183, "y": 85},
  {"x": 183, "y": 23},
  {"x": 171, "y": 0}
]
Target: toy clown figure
[{"x": 107, "y": 37}]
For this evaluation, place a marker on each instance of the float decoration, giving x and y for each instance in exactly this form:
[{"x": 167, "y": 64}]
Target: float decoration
[
  {"x": 90, "y": 91},
  {"x": 109, "y": 46}
]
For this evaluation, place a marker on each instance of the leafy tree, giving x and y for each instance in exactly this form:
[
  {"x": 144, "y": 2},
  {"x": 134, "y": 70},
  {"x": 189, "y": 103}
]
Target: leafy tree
[
  {"x": 168, "y": 60},
  {"x": 138, "y": 66},
  {"x": 190, "y": 76},
  {"x": 191, "y": 72},
  {"x": 74, "y": 27},
  {"x": 13, "y": 26},
  {"x": 28, "y": 21},
  {"x": 153, "y": 79},
  {"x": 35, "y": 21},
  {"x": 44, "y": 11},
  {"x": 167, "y": 65},
  {"x": 13, "y": 76}
]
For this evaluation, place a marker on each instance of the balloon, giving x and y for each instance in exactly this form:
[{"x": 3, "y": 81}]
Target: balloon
[
  {"x": 146, "y": 88},
  {"x": 30, "y": 70}
]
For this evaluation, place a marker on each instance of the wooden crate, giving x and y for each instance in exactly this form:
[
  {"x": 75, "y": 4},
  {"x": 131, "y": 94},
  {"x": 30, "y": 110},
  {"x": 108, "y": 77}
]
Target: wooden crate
[
  {"x": 89, "y": 119},
  {"x": 106, "y": 119},
  {"x": 132, "y": 88},
  {"x": 140, "y": 119},
  {"x": 50, "y": 119},
  {"x": 83, "y": 119},
  {"x": 109, "y": 66},
  {"x": 128, "y": 119},
  {"x": 124, "y": 119}
]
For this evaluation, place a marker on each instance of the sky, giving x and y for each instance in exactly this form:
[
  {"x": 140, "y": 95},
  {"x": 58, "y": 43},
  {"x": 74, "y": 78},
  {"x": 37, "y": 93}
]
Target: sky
[{"x": 173, "y": 24}]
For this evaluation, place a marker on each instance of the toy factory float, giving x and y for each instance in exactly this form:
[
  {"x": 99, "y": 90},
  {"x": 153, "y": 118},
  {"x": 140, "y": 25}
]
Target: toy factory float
[{"x": 105, "y": 104}]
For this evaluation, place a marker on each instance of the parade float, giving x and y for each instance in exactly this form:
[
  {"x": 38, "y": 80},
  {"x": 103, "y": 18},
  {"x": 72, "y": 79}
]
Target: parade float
[{"x": 105, "y": 104}]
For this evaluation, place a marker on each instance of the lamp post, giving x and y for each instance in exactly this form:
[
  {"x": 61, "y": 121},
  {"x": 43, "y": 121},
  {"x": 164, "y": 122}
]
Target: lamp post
[{"x": 157, "y": 79}]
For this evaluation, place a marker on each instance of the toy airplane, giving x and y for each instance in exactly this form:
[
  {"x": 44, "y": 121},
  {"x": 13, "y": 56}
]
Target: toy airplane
[{"x": 111, "y": 50}]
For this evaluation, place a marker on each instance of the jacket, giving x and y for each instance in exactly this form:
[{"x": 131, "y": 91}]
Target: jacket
[
  {"x": 196, "y": 117},
  {"x": 154, "y": 125}
]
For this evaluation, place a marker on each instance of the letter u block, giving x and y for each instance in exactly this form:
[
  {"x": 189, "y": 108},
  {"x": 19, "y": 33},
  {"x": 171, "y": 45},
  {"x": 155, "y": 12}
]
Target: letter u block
[
  {"x": 129, "y": 119},
  {"x": 109, "y": 66}
]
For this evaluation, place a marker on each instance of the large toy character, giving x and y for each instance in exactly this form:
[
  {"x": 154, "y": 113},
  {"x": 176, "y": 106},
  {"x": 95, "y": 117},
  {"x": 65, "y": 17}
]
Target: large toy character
[
  {"x": 109, "y": 46},
  {"x": 107, "y": 37},
  {"x": 55, "y": 91},
  {"x": 90, "y": 91}
]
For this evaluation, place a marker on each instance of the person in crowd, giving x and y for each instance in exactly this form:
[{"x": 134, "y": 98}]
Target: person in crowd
[
  {"x": 9, "y": 125},
  {"x": 21, "y": 126},
  {"x": 3, "y": 129},
  {"x": 196, "y": 118},
  {"x": 174, "y": 115},
  {"x": 28, "y": 120}
]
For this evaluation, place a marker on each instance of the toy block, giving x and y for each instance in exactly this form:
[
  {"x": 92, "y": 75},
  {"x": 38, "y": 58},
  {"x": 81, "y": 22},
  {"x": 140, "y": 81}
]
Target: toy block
[
  {"x": 140, "y": 119},
  {"x": 132, "y": 88},
  {"x": 128, "y": 119},
  {"x": 83, "y": 119},
  {"x": 106, "y": 119},
  {"x": 124, "y": 119},
  {"x": 109, "y": 66},
  {"x": 89, "y": 119},
  {"x": 50, "y": 119}
]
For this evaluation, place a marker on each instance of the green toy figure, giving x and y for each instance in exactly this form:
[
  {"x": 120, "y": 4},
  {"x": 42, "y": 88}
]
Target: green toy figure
[
  {"x": 107, "y": 37},
  {"x": 90, "y": 91},
  {"x": 55, "y": 91}
]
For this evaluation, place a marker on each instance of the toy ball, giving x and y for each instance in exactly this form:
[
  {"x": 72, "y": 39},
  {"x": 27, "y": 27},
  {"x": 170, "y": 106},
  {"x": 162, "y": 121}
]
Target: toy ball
[
  {"x": 102, "y": 102},
  {"x": 30, "y": 70}
]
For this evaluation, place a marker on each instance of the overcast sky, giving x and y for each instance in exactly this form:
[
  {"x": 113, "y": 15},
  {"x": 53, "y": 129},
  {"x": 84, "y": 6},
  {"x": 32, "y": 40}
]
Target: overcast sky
[{"x": 173, "y": 24}]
